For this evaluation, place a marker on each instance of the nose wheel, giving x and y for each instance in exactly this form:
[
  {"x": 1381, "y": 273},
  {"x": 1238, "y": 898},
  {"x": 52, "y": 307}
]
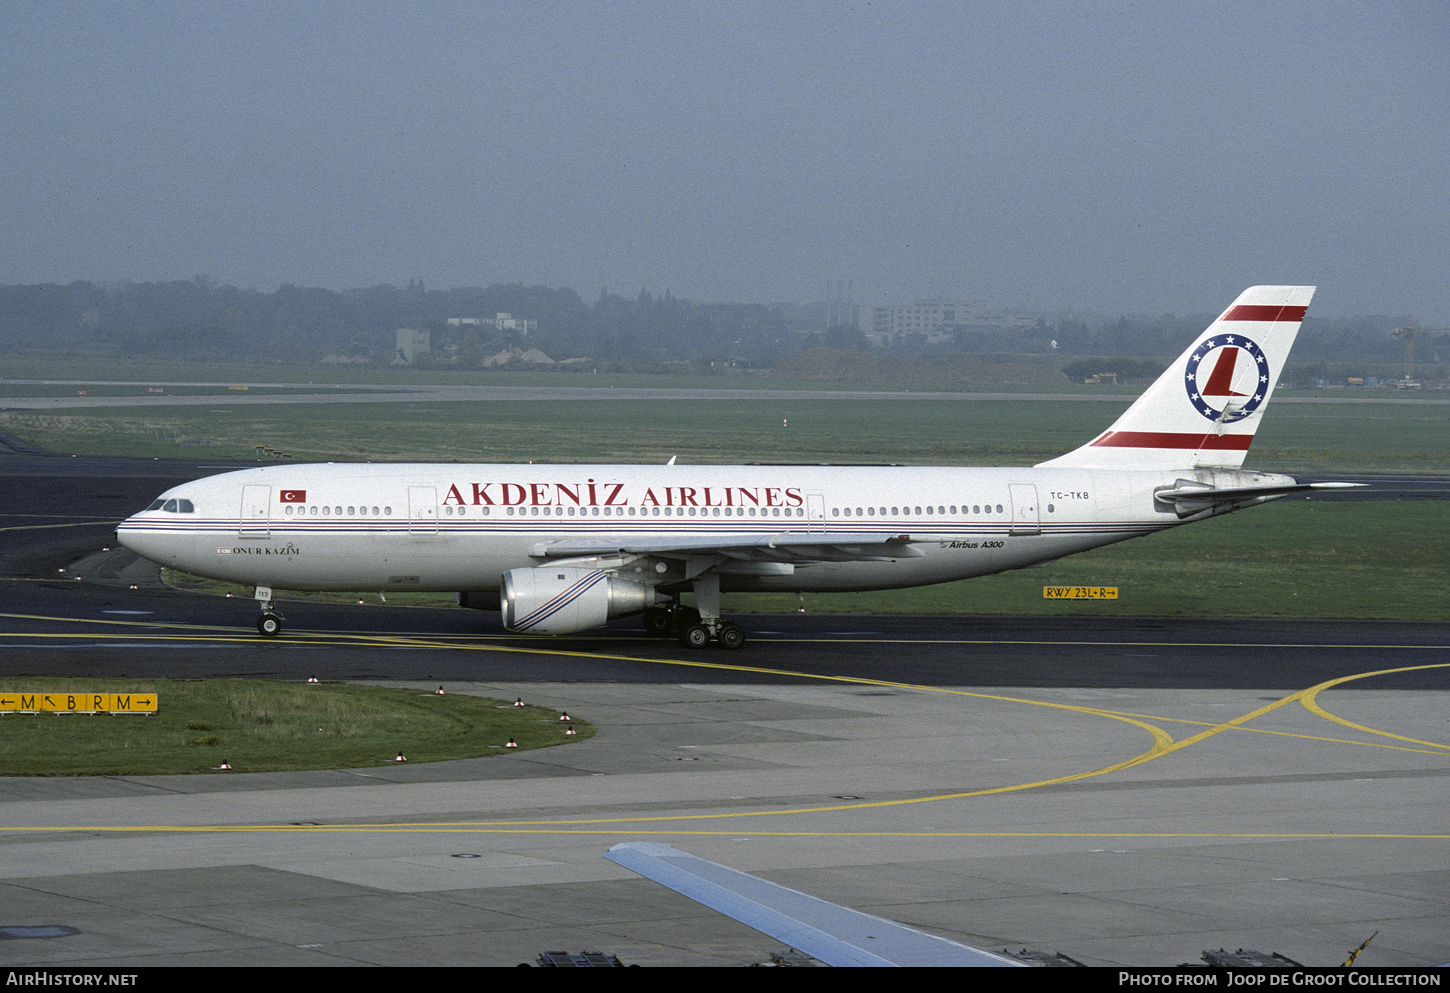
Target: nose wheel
[{"x": 269, "y": 625}]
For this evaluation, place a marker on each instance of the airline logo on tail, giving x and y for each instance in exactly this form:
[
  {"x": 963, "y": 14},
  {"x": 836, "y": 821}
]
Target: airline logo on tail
[{"x": 1235, "y": 387}]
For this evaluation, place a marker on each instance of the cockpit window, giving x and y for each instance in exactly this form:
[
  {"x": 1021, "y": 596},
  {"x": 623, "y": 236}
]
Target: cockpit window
[
  {"x": 156, "y": 505},
  {"x": 174, "y": 506}
]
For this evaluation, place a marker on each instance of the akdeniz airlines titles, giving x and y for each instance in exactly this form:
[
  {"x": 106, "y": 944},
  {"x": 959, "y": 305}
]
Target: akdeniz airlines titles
[{"x": 565, "y": 548}]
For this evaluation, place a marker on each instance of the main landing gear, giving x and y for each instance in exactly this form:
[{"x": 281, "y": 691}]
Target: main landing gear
[
  {"x": 696, "y": 628},
  {"x": 269, "y": 625}
]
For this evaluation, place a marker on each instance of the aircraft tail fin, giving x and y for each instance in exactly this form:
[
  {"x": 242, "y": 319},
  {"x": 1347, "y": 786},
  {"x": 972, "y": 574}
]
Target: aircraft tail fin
[{"x": 1203, "y": 411}]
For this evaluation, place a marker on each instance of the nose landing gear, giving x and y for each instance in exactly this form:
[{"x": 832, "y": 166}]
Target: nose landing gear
[{"x": 269, "y": 625}]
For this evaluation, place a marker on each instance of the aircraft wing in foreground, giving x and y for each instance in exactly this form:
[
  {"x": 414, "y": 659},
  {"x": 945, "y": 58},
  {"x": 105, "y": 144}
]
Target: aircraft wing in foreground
[{"x": 833, "y": 934}]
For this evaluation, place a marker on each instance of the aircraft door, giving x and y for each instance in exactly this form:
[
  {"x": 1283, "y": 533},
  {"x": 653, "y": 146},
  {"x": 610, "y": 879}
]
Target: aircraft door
[
  {"x": 422, "y": 510},
  {"x": 815, "y": 512},
  {"x": 256, "y": 512},
  {"x": 1025, "y": 517}
]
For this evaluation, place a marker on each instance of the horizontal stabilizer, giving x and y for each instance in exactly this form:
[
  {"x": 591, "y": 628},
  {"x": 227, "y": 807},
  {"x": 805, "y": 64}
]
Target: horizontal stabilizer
[
  {"x": 826, "y": 931},
  {"x": 1189, "y": 497}
]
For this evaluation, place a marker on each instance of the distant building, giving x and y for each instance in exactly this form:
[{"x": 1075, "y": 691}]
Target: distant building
[
  {"x": 938, "y": 320},
  {"x": 413, "y": 344},
  {"x": 508, "y": 322},
  {"x": 517, "y": 356},
  {"x": 499, "y": 322}
]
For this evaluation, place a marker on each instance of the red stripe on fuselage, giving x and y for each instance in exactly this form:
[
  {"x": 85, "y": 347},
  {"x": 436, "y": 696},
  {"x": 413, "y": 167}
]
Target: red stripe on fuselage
[
  {"x": 1167, "y": 439},
  {"x": 1264, "y": 312}
]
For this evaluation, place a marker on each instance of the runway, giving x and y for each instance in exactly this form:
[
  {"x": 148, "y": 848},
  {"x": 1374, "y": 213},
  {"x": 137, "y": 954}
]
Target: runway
[
  {"x": 205, "y": 394},
  {"x": 1124, "y": 792}
]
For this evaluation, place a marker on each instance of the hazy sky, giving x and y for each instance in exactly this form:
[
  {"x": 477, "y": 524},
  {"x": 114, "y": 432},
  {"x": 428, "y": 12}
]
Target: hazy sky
[{"x": 1117, "y": 156}]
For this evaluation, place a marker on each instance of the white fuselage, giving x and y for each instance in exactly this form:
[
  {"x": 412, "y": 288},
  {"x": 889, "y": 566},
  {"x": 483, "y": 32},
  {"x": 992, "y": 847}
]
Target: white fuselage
[
  {"x": 461, "y": 527},
  {"x": 569, "y": 546}
]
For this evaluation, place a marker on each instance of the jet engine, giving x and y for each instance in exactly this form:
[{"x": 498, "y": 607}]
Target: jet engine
[{"x": 564, "y": 599}]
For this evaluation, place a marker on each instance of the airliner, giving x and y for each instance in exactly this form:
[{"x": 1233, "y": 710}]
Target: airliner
[{"x": 564, "y": 548}]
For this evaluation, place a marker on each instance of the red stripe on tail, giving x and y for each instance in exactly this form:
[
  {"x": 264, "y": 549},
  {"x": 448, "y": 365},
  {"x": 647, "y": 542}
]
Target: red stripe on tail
[
  {"x": 1166, "y": 439},
  {"x": 1264, "y": 312}
]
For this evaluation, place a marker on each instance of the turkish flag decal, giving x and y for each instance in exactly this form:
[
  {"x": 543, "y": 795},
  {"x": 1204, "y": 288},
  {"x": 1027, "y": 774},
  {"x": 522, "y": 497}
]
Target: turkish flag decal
[{"x": 293, "y": 496}]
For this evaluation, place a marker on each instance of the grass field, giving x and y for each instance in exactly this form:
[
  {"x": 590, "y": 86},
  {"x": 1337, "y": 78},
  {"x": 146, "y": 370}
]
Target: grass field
[
  {"x": 1296, "y": 558},
  {"x": 63, "y": 374},
  {"x": 1366, "y": 435},
  {"x": 258, "y": 726}
]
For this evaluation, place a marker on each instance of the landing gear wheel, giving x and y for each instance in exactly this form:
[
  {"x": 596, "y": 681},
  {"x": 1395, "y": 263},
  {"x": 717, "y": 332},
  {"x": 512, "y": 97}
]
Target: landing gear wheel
[
  {"x": 695, "y": 636},
  {"x": 269, "y": 625},
  {"x": 731, "y": 636},
  {"x": 657, "y": 623}
]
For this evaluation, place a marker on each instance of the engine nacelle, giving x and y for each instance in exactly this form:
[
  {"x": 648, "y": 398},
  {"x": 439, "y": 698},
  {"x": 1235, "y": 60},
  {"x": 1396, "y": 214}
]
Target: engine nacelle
[{"x": 564, "y": 599}]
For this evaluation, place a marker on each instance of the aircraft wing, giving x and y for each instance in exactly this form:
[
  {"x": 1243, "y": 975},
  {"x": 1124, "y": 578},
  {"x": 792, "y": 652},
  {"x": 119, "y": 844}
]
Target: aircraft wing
[
  {"x": 788, "y": 546},
  {"x": 831, "y": 933}
]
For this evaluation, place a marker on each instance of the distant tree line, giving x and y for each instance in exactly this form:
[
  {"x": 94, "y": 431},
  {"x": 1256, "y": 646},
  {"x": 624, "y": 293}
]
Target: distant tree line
[{"x": 200, "y": 319}]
